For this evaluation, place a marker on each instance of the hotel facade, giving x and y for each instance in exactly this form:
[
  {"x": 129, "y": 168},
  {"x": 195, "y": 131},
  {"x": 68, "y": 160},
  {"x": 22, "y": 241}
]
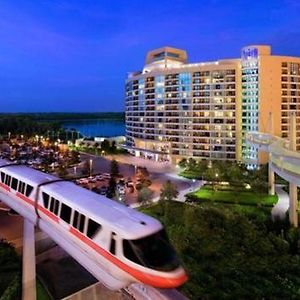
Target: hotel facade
[{"x": 176, "y": 109}]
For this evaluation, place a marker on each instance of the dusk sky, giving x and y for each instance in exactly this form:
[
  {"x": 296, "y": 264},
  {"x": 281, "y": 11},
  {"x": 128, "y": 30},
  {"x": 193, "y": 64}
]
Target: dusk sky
[{"x": 74, "y": 55}]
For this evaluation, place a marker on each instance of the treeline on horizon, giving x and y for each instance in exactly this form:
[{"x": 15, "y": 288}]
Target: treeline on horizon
[
  {"x": 67, "y": 116},
  {"x": 15, "y": 124}
]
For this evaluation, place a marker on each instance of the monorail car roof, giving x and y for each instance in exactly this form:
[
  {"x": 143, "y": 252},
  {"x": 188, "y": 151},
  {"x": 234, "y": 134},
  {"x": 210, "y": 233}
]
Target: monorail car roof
[{"x": 126, "y": 221}]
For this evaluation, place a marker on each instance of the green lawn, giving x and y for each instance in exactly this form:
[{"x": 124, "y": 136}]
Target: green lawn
[{"x": 234, "y": 197}]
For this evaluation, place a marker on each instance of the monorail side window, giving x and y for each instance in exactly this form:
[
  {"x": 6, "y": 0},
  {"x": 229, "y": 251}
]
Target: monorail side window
[
  {"x": 112, "y": 248},
  {"x": 28, "y": 190},
  {"x": 153, "y": 251},
  {"x": 21, "y": 187},
  {"x": 129, "y": 253},
  {"x": 75, "y": 219},
  {"x": 46, "y": 200},
  {"x": 14, "y": 184},
  {"x": 65, "y": 212},
  {"x": 2, "y": 177},
  {"x": 54, "y": 206},
  {"x": 8, "y": 180},
  {"x": 93, "y": 228},
  {"x": 52, "y": 203},
  {"x": 81, "y": 223}
]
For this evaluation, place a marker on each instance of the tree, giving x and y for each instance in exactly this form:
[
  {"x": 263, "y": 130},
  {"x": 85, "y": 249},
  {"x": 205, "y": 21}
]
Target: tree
[
  {"x": 114, "y": 168},
  {"x": 183, "y": 163},
  {"x": 144, "y": 195},
  {"x": 75, "y": 157},
  {"x": 142, "y": 172},
  {"x": 112, "y": 184},
  {"x": 96, "y": 145},
  {"x": 105, "y": 146},
  {"x": 260, "y": 186},
  {"x": 113, "y": 147},
  {"x": 168, "y": 192},
  {"x": 191, "y": 164},
  {"x": 62, "y": 171}
]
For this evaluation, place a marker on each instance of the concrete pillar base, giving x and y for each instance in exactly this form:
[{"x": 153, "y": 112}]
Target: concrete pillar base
[
  {"x": 293, "y": 213},
  {"x": 28, "y": 276},
  {"x": 271, "y": 181}
]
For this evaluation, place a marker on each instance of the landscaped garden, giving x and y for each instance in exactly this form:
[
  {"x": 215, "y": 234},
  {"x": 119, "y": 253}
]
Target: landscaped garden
[
  {"x": 232, "y": 195},
  {"x": 228, "y": 182},
  {"x": 236, "y": 253}
]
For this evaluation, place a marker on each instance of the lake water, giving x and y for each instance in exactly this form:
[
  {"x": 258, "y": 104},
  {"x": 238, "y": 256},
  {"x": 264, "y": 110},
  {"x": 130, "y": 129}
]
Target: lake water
[{"x": 92, "y": 128}]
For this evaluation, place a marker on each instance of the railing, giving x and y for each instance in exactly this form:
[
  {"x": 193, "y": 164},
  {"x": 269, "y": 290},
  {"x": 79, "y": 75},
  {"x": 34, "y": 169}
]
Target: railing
[{"x": 284, "y": 159}]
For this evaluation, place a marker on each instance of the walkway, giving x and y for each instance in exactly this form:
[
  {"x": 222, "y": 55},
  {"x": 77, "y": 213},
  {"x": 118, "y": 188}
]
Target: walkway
[
  {"x": 281, "y": 207},
  {"x": 284, "y": 162}
]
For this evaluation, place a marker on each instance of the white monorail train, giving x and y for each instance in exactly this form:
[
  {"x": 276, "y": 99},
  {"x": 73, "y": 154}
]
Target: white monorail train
[{"x": 117, "y": 244}]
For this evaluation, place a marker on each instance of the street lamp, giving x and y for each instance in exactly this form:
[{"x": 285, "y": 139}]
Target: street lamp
[
  {"x": 91, "y": 166},
  {"x": 217, "y": 175}
]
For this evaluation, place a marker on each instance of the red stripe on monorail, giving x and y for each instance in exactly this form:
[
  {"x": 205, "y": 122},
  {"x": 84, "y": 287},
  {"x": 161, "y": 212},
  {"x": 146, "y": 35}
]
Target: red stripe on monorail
[
  {"x": 41, "y": 208},
  {"x": 4, "y": 186},
  {"x": 24, "y": 198},
  {"x": 153, "y": 280},
  {"x": 48, "y": 213}
]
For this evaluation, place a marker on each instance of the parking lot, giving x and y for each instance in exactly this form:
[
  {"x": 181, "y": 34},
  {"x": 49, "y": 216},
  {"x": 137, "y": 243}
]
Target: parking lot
[{"x": 125, "y": 187}]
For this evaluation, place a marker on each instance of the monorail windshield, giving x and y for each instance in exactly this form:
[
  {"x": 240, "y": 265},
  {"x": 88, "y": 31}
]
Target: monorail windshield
[{"x": 153, "y": 251}]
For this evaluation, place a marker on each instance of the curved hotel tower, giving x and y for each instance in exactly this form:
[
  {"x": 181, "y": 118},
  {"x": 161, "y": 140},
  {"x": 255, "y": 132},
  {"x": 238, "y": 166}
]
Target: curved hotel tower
[{"x": 177, "y": 110}]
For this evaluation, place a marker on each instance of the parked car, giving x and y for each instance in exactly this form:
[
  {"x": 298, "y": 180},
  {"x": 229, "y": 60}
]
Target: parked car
[
  {"x": 121, "y": 189},
  {"x": 103, "y": 190},
  {"x": 99, "y": 177},
  {"x": 129, "y": 183},
  {"x": 121, "y": 182}
]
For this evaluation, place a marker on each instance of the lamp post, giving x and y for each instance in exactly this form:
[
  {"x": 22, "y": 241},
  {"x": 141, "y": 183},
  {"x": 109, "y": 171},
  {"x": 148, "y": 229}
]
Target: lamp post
[
  {"x": 216, "y": 175},
  {"x": 91, "y": 166}
]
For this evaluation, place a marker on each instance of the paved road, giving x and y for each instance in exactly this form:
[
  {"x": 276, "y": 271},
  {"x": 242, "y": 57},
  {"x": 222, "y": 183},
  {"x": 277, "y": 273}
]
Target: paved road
[
  {"x": 160, "y": 172},
  {"x": 102, "y": 164},
  {"x": 281, "y": 207}
]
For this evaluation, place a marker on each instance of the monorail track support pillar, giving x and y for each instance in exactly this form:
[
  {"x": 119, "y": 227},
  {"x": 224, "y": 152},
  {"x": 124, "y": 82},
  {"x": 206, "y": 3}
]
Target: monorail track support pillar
[
  {"x": 293, "y": 210},
  {"x": 271, "y": 177},
  {"x": 28, "y": 275}
]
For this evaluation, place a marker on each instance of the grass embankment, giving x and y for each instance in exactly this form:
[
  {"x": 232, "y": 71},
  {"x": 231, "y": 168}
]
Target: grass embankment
[
  {"x": 10, "y": 272},
  {"x": 232, "y": 195},
  {"x": 10, "y": 275},
  {"x": 236, "y": 253}
]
